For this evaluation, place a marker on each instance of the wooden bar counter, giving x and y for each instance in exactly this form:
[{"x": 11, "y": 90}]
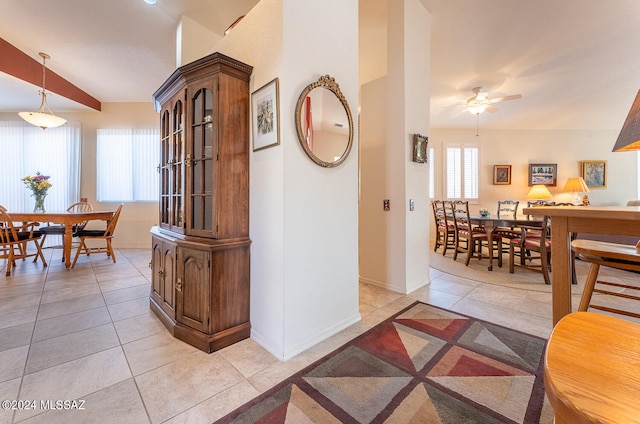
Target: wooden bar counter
[{"x": 577, "y": 219}]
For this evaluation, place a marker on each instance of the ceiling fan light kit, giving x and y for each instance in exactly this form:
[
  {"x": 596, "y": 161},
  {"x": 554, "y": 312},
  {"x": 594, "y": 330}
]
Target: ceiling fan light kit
[
  {"x": 480, "y": 101},
  {"x": 41, "y": 118}
]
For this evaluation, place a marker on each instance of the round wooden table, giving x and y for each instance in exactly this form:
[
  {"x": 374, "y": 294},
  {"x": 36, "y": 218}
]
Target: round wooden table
[{"x": 592, "y": 369}]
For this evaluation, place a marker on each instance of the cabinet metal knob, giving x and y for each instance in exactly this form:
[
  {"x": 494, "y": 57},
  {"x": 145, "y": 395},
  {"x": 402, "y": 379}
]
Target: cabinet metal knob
[
  {"x": 179, "y": 285},
  {"x": 161, "y": 274}
]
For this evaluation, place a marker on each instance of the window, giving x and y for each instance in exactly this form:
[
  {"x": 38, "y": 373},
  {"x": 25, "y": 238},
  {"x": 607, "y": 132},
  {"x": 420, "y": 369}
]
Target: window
[
  {"x": 26, "y": 150},
  {"x": 127, "y": 164},
  {"x": 462, "y": 171}
]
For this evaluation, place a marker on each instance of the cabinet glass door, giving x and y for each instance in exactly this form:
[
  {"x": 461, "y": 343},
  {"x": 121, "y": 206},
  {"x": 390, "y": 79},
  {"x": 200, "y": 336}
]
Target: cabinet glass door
[
  {"x": 204, "y": 152},
  {"x": 165, "y": 193},
  {"x": 172, "y": 167},
  {"x": 177, "y": 167}
]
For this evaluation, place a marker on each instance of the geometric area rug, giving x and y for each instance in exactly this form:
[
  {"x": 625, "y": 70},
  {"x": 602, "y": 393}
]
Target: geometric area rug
[{"x": 425, "y": 364}]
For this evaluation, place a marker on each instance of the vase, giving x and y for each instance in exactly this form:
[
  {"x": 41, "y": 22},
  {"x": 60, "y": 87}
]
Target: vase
[{"x": 39, "y": 206}]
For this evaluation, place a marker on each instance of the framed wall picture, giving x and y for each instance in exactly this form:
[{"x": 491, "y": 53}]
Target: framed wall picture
[
  {"x": 594, "y": 173},
  {"x": 265, "y": 116},
  {"x": 502, "y": 174},
  {"x": 420, "y": 148},
  {"x": 543, "y": 173}
]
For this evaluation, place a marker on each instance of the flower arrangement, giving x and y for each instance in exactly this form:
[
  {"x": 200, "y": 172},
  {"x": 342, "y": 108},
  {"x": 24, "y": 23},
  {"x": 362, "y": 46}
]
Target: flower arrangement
[{"x": 39, "y": 185}]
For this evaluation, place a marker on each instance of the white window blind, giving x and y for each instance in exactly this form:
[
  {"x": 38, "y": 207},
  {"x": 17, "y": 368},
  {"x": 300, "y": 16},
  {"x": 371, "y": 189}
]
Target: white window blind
[
  {"x": 462, "y": 172},
  {"x": 54, "y": 152},
  {"x": 127, "y": 161}
]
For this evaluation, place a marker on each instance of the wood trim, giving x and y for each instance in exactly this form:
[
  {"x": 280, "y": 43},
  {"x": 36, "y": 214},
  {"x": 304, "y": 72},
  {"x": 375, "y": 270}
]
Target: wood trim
[{"x": 20, "y": 65}]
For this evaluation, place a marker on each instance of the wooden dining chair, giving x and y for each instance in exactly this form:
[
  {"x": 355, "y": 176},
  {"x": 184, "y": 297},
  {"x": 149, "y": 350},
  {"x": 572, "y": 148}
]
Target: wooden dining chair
[
  {"x": 445, "y": 229},
  {"x": 59, "y": 229},
  {"x": 14, "y": 242},
  {"x": 469, "y": 238},
  {"x": 106, "y": 235},
  {"x": 508, "y": 209},
  {"x": 613, "y": 297},
  {"x": 533, "y": 247}
]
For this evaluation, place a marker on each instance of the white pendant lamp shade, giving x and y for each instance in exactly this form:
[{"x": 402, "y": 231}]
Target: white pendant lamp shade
[{"x": 42, "y": 118}]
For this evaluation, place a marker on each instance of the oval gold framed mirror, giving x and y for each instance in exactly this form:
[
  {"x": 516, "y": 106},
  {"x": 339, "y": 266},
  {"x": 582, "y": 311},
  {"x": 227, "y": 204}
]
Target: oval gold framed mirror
[{"x": 324, "y": 123}]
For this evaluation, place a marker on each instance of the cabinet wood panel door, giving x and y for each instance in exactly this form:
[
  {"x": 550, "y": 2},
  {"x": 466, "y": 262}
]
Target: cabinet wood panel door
[
  {"x": 163, "y": 275},
  {"x": 193, "y": 288}
]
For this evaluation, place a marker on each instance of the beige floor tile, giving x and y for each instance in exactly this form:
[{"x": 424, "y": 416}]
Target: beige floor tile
[
  {"x": 20, "y": 335},
  {"x": 58, "y": 350},
  {"x": 155, "y": 351},
  {"x": 81, "y": 290},
  {"x": 129, "y": 293},
  {"x": 18, "y": 316},
  {"x": 174, "y": 388},
  {"x": 12, "y": 362},
  {"x": 20, "y": 302},
  {"x": 70, "y": 323},
  {"x": 248, "y": 357},
  {"x": 116, "y": 404},
  {"x": 123, "y": 283},
  {"x": 8, "y": 390},
  {"x": 138, "y": 327},
  {"x": 494, "y": 295},
  {"x": 217, "y": 406},
  {"x": 128, "y": 309},
  {"x": 75, "y": 379},
  {"x": 69, "y": 306}
]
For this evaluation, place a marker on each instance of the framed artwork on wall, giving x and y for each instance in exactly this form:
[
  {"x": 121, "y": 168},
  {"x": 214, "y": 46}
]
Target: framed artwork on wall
[
  {"x": 501, "y": 174},
  {"x": 265, "y": 116},
  {"x": 420, "y": 148},
  {"x": 594, "y": 173},
  {"x": 543, "y": 173}
]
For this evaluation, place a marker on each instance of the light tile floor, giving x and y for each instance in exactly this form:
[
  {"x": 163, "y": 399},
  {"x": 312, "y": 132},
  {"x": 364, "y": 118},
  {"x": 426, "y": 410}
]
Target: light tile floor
[{"x": 88, "y": 334}]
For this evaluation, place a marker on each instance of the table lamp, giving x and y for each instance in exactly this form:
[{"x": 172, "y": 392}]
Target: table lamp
[
  {"x": 576, "y": 185},
  {"x": 539, "y": 192}
]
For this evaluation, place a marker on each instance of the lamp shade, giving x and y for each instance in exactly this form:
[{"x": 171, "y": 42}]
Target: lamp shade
[
  {"x": 575, "y": 185},
  {"x": 629, "y": 138},
  {"x": 539, "y": 191}
]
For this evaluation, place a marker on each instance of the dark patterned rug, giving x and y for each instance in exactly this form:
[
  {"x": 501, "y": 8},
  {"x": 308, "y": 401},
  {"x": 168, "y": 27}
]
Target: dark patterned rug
[{"x": 423, "y": 365}]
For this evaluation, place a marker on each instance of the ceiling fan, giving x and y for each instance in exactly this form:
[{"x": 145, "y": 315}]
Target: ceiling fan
[{"x": 480, "y": 101}]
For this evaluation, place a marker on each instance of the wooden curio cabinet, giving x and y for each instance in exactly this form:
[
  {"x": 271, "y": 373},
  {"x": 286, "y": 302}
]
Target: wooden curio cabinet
[{"x": 200, "y": 261}]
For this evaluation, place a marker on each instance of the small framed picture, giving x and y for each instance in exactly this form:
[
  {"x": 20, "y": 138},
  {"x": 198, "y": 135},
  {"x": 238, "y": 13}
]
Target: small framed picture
[
  {"x": 501, "y": 174},
  {"x": 594, "y": 173},
  {"x": 543, "y": 173},
  {"x": 420, "y": 148},
  {"x": 265, "y": 116}
]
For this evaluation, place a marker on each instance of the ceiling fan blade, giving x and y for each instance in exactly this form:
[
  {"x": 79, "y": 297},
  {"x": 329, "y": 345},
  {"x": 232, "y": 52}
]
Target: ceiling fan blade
[{"x": 505, "y": 98}]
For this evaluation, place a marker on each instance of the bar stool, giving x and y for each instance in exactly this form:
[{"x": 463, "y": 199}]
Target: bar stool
[
  {"x": 592, "y": 369},
  {"x": 619, "y": 256}
]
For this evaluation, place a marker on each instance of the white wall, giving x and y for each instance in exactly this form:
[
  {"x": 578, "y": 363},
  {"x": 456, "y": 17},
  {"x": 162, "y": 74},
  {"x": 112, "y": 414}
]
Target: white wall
[
  {"x": 303, "y": 223},
  {"x": 136, "y": 218},
  {"x": 567, "y": 148},
  {"x": 394, "y": 244}
]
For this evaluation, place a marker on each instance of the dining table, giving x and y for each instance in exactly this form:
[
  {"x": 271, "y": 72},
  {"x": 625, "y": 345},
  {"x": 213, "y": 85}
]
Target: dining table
[
  {"x": 568, "y": 220},
  {"x": 68, "y": 219},
  {"x": 490, "y": 224}
]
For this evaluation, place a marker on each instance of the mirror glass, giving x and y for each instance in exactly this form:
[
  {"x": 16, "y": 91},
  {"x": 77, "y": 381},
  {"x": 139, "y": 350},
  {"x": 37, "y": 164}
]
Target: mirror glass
[{"x": 324, "y": 123}]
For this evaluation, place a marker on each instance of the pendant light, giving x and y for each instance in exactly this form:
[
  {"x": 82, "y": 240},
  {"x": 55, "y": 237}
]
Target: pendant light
[{"x": 41, "y": 118}]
